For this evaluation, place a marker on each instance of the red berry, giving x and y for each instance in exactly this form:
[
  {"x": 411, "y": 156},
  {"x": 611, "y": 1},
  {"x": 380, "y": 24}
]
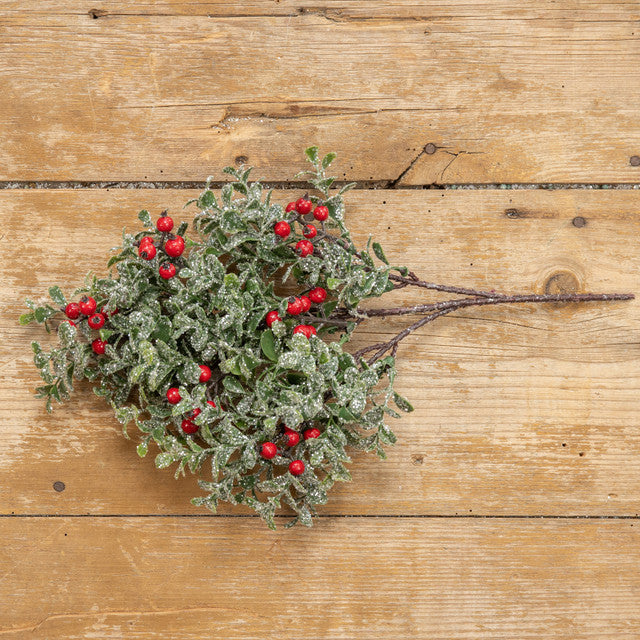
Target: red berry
[
  {"x": 173, "y": 395},
  {"x": 212, "y": 403},
  {"x": 304, "y": 248},
  {"x": 71, "y": 322},
  {"x": 306, "y": 330},
  {"x": 294, "y": 306},
  {"x": 272, "y": 317},
  {"x": 188, "y": 426},
  {"x": 321, "y": 213},
  {"x": 296, "y": 467},
  {"x": 303, "y": 206},
  {"x": 192, "y": 415},
  {"x": 205, "y": 373},
  {"x": 147, "y": 251},
  {"x": 282, "y": 228},
  {"x": 174, "y": 247},
  {"x": 309, "y": 231},
  {"x": 306, "y": 303},
  {"x": 146, "y": 240},
  {"x": 268, "y": 450},
  {"x": 292, "y": 438},
  {"x": 99, "y": 346},
  {"x": 87, "y": 305},
  {"x": 164, "y": 224},
  {"x": 311, "y": 433},
  {"x": 318, "y": 295},
  {"x": 72, "y": 310},
  {"x": 96, "y": 321},
  {"x": 167, "y": 270},
  {"x": 290, "y": 207}
]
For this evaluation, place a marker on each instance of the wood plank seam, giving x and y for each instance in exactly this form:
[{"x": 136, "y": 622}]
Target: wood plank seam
[{"x": 380, "y": 185}]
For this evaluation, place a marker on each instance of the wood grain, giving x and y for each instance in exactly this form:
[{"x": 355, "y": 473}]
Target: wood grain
[
  {"x": 522, "y": 410},
  {"x": 444, "y": 579},
  {"x": 409, "y": 93}
]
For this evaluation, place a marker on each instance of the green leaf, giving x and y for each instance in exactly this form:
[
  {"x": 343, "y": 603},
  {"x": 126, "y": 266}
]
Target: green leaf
[
  {"x": 346, "y": 415},
  {"x": 142, "y": 449},
  {"x": 268, "y": 345},
  {"x": 145, "y": 218},
  {"x": 57, "y": 296},
  {"x": 328, "y": 159},
  {"x": 386, "y": 435},
  {"x": 232, "y": 384},
  {"x": 377, "y": 249},
  {"x": 26, "y": 318},
  {"x": 163, "y": 460},
  {"x": 312, "y": 154},
  {"x": 402, "y": 403},
  {"x": 42, "y": 313},
  {"x": 206, "y": 200}
]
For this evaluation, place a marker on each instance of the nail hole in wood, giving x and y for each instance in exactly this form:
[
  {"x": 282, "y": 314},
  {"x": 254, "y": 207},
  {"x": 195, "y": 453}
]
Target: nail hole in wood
[
  {"x": 634, "y": 161},
  {"x": 58, "y": 486},
  {"x": 579, "y": 222}
]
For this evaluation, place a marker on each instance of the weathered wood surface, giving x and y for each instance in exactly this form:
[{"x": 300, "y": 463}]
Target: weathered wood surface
[
  {"x": 407, "y": 92},
  {"x": 519, "y": 411},
  {"x": 447, "y": 579}
]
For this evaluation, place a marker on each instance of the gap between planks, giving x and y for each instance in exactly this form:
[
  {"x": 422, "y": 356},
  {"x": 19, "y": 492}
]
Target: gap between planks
[
  {"x": 414, "y": 516},
  {"x": 360, "y": 184}
]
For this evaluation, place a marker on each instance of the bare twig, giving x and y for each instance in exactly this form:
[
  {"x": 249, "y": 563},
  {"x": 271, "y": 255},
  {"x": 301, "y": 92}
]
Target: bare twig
[
  {"x": 438, "y": 309},
  {"x": 495, "y": 299}
]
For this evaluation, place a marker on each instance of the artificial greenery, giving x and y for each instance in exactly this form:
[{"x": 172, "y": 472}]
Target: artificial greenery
[
  {"x": 233, "y": 272},
  {"x": 164, "y": 312}
]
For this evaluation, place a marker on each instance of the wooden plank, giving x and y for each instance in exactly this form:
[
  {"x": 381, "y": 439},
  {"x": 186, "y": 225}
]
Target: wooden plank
[
  {"x": 337, "y": 10},
  {"x": 408, "y": 93},
  {"x": 518, "y": 411},
  {"x": 186, "y": 578}
]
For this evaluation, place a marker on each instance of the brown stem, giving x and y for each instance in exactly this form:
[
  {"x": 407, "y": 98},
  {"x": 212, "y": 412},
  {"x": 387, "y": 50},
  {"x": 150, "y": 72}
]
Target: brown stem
[
  {"x": 332, "y": 321},
  {"x": 383, "y": 347},
  {"x": 438, "y": 309},
  {"x": 495, "y": 299},
  {"x": 414, "y": 281}
]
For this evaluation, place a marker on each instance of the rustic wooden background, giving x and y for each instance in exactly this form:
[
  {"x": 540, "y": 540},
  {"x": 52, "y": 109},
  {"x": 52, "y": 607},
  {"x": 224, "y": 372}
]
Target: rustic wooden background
[{"x": 509, "y": 508}]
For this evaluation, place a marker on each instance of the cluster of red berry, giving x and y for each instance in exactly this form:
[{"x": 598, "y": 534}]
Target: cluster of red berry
[
  {"x": 269, "y": 450},
  {"x": 304, "y": 248},
  {"x": 173, "y": 247},
  {"x": 87, "y": 308},
  {"x": 295, "y": 306},
  {"x": 173, "y": 397},
  {"x": 302, "y": 206}
]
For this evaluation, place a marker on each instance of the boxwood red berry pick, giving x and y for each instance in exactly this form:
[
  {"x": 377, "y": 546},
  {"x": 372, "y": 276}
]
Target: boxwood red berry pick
[{"x": 270, "y": 303}]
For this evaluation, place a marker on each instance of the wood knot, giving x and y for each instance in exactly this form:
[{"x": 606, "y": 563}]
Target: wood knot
[
  {"x": 562, "y": 282},
  {"x": 240, "y": 160},
  {"x": 97, "y": 13},
  {"x": 58, "y": 486},
  {"x": 417, "y": 460}
]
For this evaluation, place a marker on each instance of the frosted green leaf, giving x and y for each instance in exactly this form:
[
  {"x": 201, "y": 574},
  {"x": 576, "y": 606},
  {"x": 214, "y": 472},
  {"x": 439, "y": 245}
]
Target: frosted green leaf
[
  {"x": 163, "y": 460},
  {"x": 145, "y": 218}
]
